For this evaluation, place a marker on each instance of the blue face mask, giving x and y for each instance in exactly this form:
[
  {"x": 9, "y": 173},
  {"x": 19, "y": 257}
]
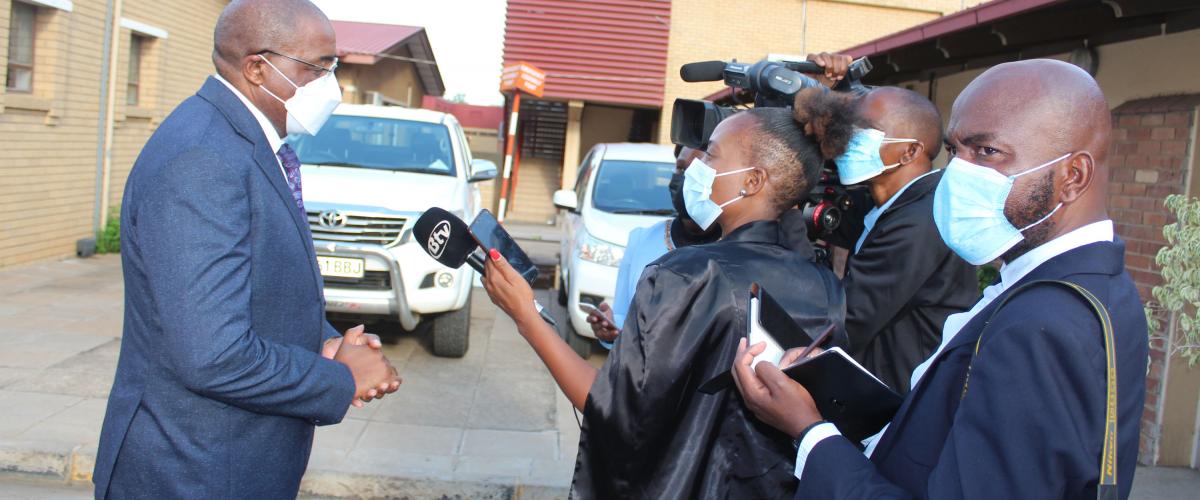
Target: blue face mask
[
  {"x": 697, "y": 191},
  {"x": 861, "y": 160},
  {"x": 968, "y": 209}
]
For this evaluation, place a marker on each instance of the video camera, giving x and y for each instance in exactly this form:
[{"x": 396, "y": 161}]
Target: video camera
[{"x": 774, "y": 83}]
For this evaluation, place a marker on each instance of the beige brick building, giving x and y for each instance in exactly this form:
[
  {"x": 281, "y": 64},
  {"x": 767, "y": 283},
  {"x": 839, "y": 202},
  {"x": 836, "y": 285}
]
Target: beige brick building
[
  {"x": 78, "y": 105},
  {"x": 703, "y": 30},
  {"x": 55, "y": 134}
]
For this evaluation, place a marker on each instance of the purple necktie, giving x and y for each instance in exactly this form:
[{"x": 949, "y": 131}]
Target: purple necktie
[{"x": 291, "y": 168}]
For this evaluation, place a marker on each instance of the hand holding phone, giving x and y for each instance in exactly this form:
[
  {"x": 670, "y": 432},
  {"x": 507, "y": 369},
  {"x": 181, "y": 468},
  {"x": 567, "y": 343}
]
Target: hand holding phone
[{"x": 601, "y": 321}]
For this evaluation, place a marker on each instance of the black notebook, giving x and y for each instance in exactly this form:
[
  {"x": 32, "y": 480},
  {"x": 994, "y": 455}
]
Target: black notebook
[{"x": 847, "y": 394}]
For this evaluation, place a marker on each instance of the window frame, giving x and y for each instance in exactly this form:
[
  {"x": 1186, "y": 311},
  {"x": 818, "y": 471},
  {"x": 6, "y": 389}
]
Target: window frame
[
  {"x": 32, "y": 48},
  {"x": 137, "y": 44}
]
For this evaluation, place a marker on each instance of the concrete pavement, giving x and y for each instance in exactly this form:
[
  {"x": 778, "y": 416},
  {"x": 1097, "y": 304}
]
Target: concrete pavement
[{"x": 489, "y": 425}]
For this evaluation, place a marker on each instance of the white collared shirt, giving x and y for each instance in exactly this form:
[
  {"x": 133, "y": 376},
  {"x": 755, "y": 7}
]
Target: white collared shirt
[
  {"x": 873, "y": 215},
  {"x": 268, "y": 129},
  {"x": 1010, "y": 274}
]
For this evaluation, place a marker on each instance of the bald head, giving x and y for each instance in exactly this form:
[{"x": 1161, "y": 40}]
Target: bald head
[
  {"x": 902, "y": 113},
  {"x": 1021, "y": 115},
  {"x": 1053, "y": 106},
  {"x": 248, "y": 27}
]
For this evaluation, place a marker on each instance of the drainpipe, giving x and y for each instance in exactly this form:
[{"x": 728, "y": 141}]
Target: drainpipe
[
  {"x": 104, "y": 125},
  {"x": 114, "y": 52},
  {"x": 97, "y": 210}
]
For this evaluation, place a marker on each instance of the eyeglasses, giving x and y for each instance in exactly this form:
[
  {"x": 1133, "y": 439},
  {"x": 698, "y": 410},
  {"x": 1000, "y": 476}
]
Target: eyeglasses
[{"x": 332, "y": 68}]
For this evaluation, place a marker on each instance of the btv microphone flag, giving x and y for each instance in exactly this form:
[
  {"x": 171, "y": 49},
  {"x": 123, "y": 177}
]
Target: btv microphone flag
[{"x": 445, "y": 237}]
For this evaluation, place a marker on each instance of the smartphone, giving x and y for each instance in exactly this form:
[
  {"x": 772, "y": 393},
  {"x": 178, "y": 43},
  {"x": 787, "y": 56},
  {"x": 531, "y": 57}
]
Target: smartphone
[
  {"x": 488, "y": 232},
  {"x": 589, "y": 309}
]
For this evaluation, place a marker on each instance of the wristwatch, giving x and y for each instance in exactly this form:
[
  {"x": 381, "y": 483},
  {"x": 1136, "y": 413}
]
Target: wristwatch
[{"x": 796, "y": 442}]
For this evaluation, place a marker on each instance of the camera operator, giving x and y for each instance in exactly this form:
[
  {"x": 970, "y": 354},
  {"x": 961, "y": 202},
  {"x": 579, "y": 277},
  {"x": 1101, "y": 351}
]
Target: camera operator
[
  {"x": 902, "y": 281},
  {"x": 646, "y": 245}
]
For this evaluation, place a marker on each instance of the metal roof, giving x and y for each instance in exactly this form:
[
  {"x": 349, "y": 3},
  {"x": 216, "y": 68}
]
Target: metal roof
[
  {"x": 1010, "y": 30},
  {"x": 612, "y": 51},
  {"x": 367, "y": 43},
  {"x": 469, "y": 115}
]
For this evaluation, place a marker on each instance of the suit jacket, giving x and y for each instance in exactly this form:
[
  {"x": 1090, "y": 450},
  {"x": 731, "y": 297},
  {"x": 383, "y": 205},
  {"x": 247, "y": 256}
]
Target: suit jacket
[
  {"x": 901, "y": 285},
  {"x": 220, "y": 379},
  {"x": 1031, "y": 425},
  {"x": 647, "y": 432}
]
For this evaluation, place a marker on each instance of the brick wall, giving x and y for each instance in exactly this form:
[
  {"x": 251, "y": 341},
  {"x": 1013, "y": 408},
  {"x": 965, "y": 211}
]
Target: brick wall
[
  {"x": 49, "y": 136},
  {"x": 1149, "y": 161},
  {"x": 704, "y": 30}
]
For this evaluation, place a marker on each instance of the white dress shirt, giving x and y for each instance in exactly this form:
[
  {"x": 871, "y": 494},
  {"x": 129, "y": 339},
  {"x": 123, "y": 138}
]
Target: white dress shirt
[
  {"x": 1010, "y": 274},
  {"x": 873, "y": 215},
  {"x": 268, "y": 129}
]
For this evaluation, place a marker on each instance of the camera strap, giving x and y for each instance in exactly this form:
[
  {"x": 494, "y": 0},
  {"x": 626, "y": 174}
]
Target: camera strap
[{"x": 1107, "y": 489}]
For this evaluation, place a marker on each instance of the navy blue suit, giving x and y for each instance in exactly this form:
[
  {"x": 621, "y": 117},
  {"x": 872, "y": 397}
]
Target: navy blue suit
[
  {"x": 1031, "y": 425},
  {"x": 220, "y": 379}
]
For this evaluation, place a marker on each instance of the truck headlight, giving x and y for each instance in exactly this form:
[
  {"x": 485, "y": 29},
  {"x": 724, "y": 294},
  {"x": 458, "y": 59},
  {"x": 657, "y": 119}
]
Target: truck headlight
[{"x": 601, "y": 252}]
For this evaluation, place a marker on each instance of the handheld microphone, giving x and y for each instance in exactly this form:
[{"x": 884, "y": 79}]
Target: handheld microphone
[{"x": 446, "y": 238}]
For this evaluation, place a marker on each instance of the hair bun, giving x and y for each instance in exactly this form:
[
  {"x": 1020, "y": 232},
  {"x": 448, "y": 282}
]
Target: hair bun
[{"x": 829, "y": 118}]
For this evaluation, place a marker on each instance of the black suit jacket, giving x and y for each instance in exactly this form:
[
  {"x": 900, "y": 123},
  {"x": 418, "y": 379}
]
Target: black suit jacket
[
  {"x": 1031, "y": 425},
  {"x": 901, "y": 286}
]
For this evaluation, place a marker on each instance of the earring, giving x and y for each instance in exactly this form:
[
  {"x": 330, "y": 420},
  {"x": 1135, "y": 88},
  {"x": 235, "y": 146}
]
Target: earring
[{"x": 742, "y": 192}]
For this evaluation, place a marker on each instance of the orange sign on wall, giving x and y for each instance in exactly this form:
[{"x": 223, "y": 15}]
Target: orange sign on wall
[{"x": 524, "y": 77}]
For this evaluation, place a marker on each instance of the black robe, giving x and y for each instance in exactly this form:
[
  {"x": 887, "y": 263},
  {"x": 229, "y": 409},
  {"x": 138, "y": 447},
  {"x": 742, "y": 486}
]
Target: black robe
[{"x": 647, "y": 433}]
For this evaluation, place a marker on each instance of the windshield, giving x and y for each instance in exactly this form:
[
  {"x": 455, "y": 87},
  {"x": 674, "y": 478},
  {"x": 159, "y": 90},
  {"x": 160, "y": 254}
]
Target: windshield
[
  {"x": 633, "y": 187},
  {"x": 380, "y": 143}
]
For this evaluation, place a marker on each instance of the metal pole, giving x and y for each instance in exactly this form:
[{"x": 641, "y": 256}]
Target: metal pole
[
  {"x": 509, "y": 142},
  {"x": 109, "y": 122},
  {"x": 102, "y": 120}
]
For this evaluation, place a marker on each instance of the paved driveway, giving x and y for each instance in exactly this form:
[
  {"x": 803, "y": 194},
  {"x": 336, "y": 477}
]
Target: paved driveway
[{"x": 490, "y": 424}]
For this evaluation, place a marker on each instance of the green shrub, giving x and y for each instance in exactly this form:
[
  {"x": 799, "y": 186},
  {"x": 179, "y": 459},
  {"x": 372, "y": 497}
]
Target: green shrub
[
  {"x": 987, "y": 276},
  {"x": 1179, "y": 295},
  {"x": 109, "y": 239}
]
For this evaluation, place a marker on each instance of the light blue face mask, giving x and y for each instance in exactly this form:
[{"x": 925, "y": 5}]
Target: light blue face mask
[
  {"x": 861, "y": 161},
  {"x": 968, "y": 209},
  {"x": 697, "y": 191}
]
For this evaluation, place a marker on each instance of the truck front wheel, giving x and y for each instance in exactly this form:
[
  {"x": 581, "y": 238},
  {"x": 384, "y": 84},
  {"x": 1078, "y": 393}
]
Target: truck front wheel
[{"x": 452, "y": 332}]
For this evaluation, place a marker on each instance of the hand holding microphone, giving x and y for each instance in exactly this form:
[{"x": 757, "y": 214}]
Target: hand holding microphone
[{"x": 449, "y": 240}]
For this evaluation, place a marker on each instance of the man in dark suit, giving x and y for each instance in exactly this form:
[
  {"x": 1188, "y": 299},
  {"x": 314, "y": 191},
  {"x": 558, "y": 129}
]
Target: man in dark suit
[
  {"x": 224, "y": 366},
  {"x": 902, "y": 281},
  {"x": 1028, "y": 184}
]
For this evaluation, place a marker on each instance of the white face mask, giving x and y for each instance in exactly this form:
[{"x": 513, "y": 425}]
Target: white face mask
[{"x": 311, "y": 105}]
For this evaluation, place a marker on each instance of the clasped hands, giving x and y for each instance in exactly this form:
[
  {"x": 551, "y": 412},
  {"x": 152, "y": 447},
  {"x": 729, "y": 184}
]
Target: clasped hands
[{"x": 374, "y": 375}]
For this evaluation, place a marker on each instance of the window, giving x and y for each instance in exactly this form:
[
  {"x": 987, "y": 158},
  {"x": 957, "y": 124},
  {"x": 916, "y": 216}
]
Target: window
[
  {"x": 136, "y": 45},
  {"x": 20, "y": 47},
  {"x": 378, "y": 143}
]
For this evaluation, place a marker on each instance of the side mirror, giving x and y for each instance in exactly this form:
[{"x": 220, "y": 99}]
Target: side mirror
[
  {"x": 566, "y": 200},
  {"x": 482, "y": 170}
]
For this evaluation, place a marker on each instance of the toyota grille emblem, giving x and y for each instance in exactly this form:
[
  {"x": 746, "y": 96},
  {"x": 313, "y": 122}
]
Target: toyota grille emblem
[{"x": 333, "y": 219}]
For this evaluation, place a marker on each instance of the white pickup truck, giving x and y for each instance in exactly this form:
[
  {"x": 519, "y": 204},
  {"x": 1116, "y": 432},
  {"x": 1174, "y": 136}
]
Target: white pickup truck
[{"x": 367, "y": 177}]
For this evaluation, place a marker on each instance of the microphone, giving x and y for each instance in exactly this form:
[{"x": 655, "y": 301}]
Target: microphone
[
  {"x": 705, "y": 71},
  {"x": 446, "y": 238}
]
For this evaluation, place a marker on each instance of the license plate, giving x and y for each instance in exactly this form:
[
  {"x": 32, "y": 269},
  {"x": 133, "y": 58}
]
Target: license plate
[{"x": 340, "y": 267}]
